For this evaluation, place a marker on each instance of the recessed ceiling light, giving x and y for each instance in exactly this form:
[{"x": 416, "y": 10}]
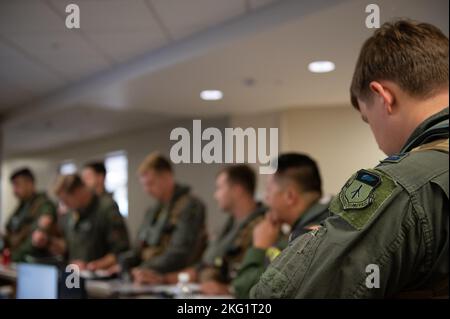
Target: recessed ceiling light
[
  {"x": 211, "y": 95},
  {"x": 321, "y": 66}
]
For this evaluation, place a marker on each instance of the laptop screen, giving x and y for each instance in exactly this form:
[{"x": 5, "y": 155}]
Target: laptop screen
[{"x": 37, "y": 281}]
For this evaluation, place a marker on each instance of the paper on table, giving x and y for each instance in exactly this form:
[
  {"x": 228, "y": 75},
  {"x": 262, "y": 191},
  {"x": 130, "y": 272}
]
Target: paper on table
[
  {"x": 98, "y": 274},
  {"x": 131, "y": 288}
]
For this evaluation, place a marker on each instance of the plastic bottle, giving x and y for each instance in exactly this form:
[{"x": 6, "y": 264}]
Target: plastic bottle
[{"x": 183, "y": 289}]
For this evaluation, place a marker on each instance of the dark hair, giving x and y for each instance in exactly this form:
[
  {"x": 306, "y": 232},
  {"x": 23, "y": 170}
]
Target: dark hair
[
  {"x": 301, "y": 169},
  {"x": 243, "y": 175},
  {"x": 68, "y": 184},
  {"x": 414, "y": 55},
  {"x": 97, "y": 167},
  {"x": 23, "y": 172}
]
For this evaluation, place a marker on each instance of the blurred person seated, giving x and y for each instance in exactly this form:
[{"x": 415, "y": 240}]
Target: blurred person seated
[
  {"x": 293, "y": 195},
  {"x": 235, "y": 188},
  {"x": 34, "y": 212},
  {"x": 94, "y": 176},
  {"x": 94, "y": 231},
  {"x": 172, "y": 235}
]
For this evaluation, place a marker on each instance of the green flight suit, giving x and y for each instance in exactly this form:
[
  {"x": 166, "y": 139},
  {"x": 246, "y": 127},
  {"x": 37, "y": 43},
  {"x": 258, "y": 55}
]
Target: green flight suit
[
  {"x": 109, "y": 196},
  {"x": 95, "y": 231},
  {"x": 224, "y": 256},
  {"x": 388, "y": 235},
  {"x": 23, "y": 222},
  {"x": 172, "y": 236},
  {"x": 256, "y": 260}
]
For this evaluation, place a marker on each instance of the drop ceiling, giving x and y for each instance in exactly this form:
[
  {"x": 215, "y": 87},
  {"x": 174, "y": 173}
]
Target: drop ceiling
[{"x": 146, "y": 61}]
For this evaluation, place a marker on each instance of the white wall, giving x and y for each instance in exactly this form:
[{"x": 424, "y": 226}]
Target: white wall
[
  {"x": 336, "y": 137},
  {"x": 261, "y": 120}
]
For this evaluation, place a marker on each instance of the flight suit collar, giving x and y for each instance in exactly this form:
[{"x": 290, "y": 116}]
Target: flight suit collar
[
  {"x": 433, "y": 128},
  {"x": 25, "y": 205},
  {"x": 226, "y": 244},
  {"x": 160, "y": 217},
  {"x": 30, "y": 200},
  {"x": 311, "y": 214},
  {"x": 259, "y": 211},
  {"x": 21, "y": 213},
  {"x": 90, "y": 207},
  {"x": 179, "y": 191},
  {"x": 233, "y": 226}
]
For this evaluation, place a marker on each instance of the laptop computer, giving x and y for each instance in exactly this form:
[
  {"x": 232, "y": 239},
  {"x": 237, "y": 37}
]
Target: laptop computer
[{"x": 36, "y": 281}]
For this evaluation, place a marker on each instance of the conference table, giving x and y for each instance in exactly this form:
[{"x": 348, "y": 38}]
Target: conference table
[
  {"x": 7, "y": 273},
  {"x": 117, "y": 288}
]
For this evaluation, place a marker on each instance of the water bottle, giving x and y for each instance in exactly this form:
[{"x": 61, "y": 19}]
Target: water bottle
[{"x": 183, "y": 289}]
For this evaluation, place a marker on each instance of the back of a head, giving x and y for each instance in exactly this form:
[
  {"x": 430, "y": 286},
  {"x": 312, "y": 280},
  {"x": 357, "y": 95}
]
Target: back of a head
[
  {"x": 155, "y": 161},
  {"x": 24, "y": 173},
  {"x": 411, "y": 54},
  {"x": 300, "y": 169},
  {"x": 68, "y": 184},
  {"x": 243, "y": 175},
  {"x": 98, "y": 167}
]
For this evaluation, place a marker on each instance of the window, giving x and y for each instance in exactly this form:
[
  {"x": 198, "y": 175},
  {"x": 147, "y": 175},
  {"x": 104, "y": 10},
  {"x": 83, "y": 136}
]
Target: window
[
  {"x": 117, "y": 179},
  {"x": 67, "y": 168}
]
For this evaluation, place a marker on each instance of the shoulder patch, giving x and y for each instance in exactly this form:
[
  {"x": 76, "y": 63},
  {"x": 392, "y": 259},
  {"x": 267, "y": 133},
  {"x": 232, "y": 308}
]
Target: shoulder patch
[
  {"x": 361, "y": 197},
  {"x": 394, "y": 158},
  {"x": 358, "y": 191}
]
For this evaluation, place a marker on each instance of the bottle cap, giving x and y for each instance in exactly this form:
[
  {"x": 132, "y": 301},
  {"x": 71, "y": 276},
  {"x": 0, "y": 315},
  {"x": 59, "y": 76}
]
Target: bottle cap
[{"x": 183, "y": 277}]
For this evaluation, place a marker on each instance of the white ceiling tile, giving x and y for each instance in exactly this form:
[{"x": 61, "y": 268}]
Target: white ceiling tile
[
  {"x": 123, "y": 46},
  {"x": 12, "y": 94},
  {"x": 119, "y": 29},
  {"x": 184, "y": 18},
  {"x": 28, "y": 17},
  {"x": 18, "y": 70},
  {"x": 112, "y": 16},
  {"x": 66, "y": 52},
  {"x": 255, "y": 4}
]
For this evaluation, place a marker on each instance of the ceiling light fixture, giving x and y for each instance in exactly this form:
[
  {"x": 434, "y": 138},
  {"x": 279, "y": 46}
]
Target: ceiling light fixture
[
  {"x": 321, "y": 66},
  {"x": 211, "y": 95}
]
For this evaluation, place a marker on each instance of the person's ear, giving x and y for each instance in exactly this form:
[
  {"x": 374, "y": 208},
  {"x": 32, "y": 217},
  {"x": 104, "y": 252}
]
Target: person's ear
[
  {"x": 235, "y": 190},
  {"x": 384, "y": 93},
  {"x": 290, "y": 195}
]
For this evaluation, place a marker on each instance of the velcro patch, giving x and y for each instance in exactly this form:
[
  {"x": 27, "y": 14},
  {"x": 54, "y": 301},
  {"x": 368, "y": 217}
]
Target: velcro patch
[
  {"x": 358, "y": 192},
  {"x": 272, "y": 253},
  {"x": 361, "y": 197},
  {"x": 394, "y": 158}
]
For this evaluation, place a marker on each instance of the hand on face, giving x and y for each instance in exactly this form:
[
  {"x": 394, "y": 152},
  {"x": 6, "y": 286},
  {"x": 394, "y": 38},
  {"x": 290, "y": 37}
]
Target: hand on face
[
  {"x": 45, "y": 222},
  {"x": 266, "y": 233},
  {"x": 39, "y": 239}
]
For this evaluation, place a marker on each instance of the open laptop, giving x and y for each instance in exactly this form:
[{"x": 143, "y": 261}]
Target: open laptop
[
  {"x": 37, "y": 281},
  {"x": 41, "y": 281}
]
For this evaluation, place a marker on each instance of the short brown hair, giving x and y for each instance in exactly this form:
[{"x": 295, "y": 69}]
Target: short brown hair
[
  {"x": 97, "y": 167},
  {"x": 68, "y": 184},
  {"x": 23, "y": 172},
  {"x": 155, "y": 161},
  {"x": 241, "y": 174},
  {"x": 414, "y": 55}
]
